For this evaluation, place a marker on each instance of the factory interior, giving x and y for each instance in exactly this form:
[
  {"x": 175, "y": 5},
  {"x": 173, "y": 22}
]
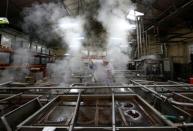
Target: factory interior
[{"x": 127, "y": 63}]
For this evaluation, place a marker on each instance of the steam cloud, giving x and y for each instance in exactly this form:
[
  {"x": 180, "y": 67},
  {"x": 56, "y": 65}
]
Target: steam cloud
[
  {"x": 40, "y": 18},
  {"x": 112, "y": 15},
  {"x": 50, "y": 21}
]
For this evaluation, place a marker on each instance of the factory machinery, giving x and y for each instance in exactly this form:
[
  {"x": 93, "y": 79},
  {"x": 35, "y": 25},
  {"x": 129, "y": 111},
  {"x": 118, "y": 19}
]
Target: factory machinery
[{"x": 135, "y": 105}]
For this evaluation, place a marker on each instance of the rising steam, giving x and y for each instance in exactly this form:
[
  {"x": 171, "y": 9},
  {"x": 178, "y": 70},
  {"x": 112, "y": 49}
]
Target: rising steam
[
  {"x": 50, "y": 21},
  {"x": 112, "y": 15}
]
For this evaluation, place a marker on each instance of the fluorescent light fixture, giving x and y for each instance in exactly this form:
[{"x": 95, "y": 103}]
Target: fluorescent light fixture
[
  {"x": 116, "y": 38},
  {"x": 131, "y": 17},
  {"x": 79, "y": 38},
  {"x": 66, "y": 54},
  {"x": 136, "y": 13},
  {"x": 67, "y": 25},
  {"x": 122, "y": 90},
  {"x": 124, "y": 46},
  {"x": 4, "y": 20},
  {"x": 133, "y": 14},
  {"x": 74, "y": 91},
  {"x": 39, "y": 47}
]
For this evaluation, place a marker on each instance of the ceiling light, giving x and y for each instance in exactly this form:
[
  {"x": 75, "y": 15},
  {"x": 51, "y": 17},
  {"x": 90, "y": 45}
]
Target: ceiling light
[
  {"x": 74, "y": 91},
  {"x": 133, "y": 14},
  {"x": 66, "y": 54},
  {"x": 4, "y": 20},
  {"x": 124, "y": 46},
  {"x": 79, "y": 38},
  {"x": 136, "y": 13},
  {"x": 116, "y": 38},
  {"x": 131, "y": 17}
]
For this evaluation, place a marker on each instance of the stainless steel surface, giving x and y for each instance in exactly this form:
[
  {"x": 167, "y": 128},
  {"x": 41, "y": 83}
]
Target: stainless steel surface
[
  {"x": 100, "y": 107},
  {"x": 13, "y": 118},
  {"x": 175, "y": 106},
  {"x": 15, "y": 108},
  {"x": 96, "y": 112}
]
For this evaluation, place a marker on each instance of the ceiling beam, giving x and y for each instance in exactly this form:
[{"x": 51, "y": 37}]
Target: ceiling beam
[
  {"x": 179, "y": 35},
  {"x": 65, "y": 7},
  {"x": 167, "y": 14}
]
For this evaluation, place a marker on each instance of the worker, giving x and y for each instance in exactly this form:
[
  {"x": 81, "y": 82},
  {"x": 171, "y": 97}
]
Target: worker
[
  {"x": 91, "y": 65},
  {"x": 104, "y": 72},
  {"x": 109, "y": 71}
]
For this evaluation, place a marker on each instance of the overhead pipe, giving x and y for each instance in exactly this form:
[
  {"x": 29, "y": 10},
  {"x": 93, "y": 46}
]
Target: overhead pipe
[
  {"x": 143, "y": 37},
  {"x": 138, "y": 43},
  {"x": 146, "y": 43},
  {"x": 140, "y": 38}
]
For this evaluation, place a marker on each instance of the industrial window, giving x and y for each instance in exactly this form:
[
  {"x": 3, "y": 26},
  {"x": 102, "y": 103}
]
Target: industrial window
[
  {"x": 33, "y": 48},
  {"x": 39, "y": 49},
  {"x": 4, "y": 57},
  {"x": 6, "y": 40}
]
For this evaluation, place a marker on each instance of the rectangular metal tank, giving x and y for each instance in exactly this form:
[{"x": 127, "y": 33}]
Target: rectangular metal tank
[
  {"x": 15, "y": 108},
  {"x": 97, "y": 113}
]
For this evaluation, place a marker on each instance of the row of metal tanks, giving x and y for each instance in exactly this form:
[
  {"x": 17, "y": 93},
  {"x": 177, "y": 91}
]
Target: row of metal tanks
[
  {"x": 97, "y": 112},
  {"x": 110, "y": 111},
  {"x": 172, "y": 99},
  {"x": 80, "y": 112}
]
